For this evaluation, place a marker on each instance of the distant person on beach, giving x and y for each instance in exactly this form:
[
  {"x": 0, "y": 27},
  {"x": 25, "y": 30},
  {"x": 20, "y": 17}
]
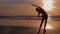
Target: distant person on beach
[{"x": 44, "y": 17}]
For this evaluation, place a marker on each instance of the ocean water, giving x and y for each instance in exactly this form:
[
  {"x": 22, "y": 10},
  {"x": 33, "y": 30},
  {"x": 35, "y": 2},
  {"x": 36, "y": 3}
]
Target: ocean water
[{"x": 17, "y": 26}]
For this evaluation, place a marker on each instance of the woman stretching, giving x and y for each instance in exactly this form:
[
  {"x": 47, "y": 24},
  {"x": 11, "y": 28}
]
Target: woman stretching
[{"x": 44, "y": 17}]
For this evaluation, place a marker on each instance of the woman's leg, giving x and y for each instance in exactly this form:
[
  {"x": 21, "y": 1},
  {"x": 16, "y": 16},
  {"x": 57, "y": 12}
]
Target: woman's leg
[
  {"x": 41, "y": 25},
  {"x": 45, "y": 25}
]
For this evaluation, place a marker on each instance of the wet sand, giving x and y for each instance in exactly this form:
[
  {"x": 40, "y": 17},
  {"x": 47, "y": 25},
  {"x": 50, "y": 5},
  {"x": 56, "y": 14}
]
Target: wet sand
[{"x": 25, "y": 30}]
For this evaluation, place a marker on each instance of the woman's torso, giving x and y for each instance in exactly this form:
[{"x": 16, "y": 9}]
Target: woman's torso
[{"x": 42, "y": 11}]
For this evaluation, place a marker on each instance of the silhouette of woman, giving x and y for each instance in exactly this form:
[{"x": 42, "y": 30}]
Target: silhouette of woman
[{"x": 44, "y": 17}]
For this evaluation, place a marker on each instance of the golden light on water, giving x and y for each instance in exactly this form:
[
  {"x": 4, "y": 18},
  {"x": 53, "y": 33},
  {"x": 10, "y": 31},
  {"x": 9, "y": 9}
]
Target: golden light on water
[
  {"x": 48, "y": 27},
  {"x": 48, "y": 4}
]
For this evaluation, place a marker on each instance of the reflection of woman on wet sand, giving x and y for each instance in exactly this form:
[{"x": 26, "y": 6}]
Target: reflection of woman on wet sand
[{"x": 44, "y": 17}]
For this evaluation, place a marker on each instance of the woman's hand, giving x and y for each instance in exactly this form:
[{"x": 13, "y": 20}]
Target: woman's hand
[
  {"x": 33, "y": 5},
  {"x": 36, "y": 6}
]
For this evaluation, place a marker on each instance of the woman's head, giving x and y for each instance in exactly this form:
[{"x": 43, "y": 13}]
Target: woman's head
[{"x": 37, "y": 9}]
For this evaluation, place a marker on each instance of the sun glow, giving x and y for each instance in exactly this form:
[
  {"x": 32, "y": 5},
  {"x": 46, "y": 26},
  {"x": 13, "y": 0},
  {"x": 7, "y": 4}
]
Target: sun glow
[
  {"x": 48, "y": 4},
  {"x": 48, "y": 26}
]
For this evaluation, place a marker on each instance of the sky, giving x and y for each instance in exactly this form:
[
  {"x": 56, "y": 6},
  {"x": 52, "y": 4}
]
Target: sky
[{"x": 23, "y": 7}]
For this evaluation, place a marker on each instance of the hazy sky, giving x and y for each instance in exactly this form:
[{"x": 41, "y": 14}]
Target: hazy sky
[{"x": 23, "y": 7}]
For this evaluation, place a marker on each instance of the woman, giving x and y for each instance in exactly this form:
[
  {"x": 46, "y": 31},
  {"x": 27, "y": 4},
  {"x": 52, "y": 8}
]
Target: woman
[{"x": 44, "y": 17}]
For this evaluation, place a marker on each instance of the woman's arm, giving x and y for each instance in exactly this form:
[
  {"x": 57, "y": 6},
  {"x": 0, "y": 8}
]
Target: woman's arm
[{"x": 35, "y": 5}]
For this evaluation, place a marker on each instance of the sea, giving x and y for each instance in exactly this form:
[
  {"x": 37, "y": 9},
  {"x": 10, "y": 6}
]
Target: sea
[{"x": 28, "y": 25}]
